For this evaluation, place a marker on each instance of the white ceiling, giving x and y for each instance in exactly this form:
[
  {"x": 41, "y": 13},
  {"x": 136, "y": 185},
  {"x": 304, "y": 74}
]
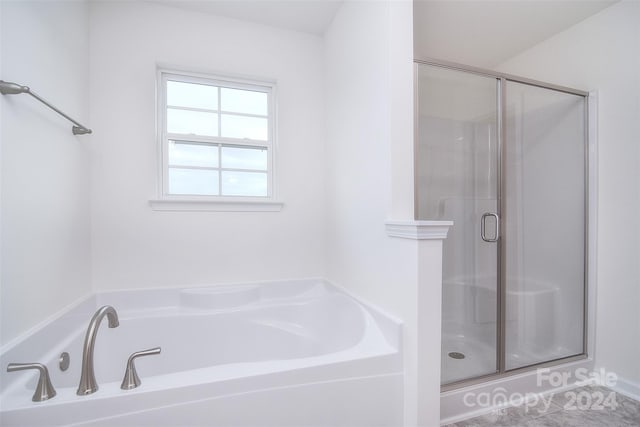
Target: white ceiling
[
  {"x": 485, "y": 33},
  {"x": 309, "y": 16}
]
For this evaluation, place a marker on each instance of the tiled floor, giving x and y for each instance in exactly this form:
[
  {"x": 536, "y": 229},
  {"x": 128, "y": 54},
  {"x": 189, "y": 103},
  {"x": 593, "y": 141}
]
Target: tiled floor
[{"x": 590, "y": 406}]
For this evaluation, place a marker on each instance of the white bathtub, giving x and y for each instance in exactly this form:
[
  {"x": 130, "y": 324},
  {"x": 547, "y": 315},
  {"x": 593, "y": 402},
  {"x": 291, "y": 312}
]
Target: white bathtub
[{"x": 286, "y": 353}]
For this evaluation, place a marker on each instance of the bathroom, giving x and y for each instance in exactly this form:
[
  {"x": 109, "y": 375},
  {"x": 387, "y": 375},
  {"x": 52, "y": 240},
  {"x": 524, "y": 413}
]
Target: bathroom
[{"x": 78, "y": 213}]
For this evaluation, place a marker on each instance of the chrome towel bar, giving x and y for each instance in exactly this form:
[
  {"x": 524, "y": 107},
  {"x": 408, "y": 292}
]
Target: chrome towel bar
[{"x": 8, "y": 88}]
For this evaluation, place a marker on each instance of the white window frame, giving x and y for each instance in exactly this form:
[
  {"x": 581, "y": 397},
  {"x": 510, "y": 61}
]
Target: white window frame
[{"x": 180, "y": 202}]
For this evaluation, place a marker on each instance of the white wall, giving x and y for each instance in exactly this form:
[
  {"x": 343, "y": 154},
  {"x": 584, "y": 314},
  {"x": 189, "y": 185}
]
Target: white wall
[
  {"x": 602, "y": 53},
  {"x": 340, "y": 178},
  {"x": 45, "y": 178},
  {"x": 369, "y": 140},
  {"x": 359, "y": 254},
  {"x": 134, "y": 246}
]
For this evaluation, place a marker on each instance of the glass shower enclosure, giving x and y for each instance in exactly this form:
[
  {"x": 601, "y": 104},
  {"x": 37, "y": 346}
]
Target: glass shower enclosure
[{"x": 505, "y": 159}]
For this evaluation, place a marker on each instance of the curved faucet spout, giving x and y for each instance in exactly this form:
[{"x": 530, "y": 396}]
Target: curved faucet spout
[{"x": 88, "y": 383}]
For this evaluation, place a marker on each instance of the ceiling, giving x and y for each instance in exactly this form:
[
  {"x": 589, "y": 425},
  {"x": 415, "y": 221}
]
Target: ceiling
[
  {"x": 309, "y": 16},
  {"x": 483, "y": 33}
]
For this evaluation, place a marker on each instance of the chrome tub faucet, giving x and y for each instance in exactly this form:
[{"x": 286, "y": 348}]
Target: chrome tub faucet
[{"x": 88, "y": 383}]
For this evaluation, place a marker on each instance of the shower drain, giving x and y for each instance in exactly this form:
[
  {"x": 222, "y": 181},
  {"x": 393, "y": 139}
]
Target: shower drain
[{"x": 456, "y": 355}]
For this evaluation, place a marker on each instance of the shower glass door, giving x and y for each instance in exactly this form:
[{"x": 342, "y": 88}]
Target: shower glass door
[
  {"x": 544, "y": 224},
  {"x": 506, "y": 160},
  {"x": 457, "y": 179}
]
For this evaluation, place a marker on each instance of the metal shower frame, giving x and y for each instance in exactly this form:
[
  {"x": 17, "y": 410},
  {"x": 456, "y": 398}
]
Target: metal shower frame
[{"x": 501, "y": 80}]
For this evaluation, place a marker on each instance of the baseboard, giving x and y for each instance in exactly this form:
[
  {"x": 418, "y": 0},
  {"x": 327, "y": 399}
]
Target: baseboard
[{"x": 627, "y": 388}]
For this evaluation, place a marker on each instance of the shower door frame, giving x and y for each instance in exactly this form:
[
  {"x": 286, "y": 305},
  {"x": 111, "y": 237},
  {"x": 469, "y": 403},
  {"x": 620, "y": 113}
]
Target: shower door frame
[{"x": 501, "y": 95}]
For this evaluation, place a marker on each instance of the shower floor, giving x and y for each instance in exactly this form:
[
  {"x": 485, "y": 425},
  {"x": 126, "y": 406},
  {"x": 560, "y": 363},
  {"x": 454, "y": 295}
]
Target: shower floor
[
  {"x": 479, "y": 358},
  {"x": 466, "y": 357}
]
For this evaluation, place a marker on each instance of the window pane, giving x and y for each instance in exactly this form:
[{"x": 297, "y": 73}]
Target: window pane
[
  {"x": 243, "y": 101},
  {"x": 192, "y": 95},
  {"x": 193, "y": 181},
  {"x": 244, "y": 127},
  {"x": 186, "y": 154},
  {"x": 192, "y": 122},
  {"x": 244, "y": 184},
  {"x": 244, "y": 158}
]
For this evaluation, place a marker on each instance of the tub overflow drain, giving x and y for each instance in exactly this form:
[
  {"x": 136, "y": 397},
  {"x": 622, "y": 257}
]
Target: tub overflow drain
[{"x": 456, "y": 355}]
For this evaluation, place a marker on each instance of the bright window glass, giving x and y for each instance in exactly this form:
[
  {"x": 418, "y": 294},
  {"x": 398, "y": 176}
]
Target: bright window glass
[
  {"x": 244, "y": 158},
  {"x": 244, "y": 101},
  {"x": 197, "y": 182},
  {"x": 244, "y": 183},
  {"x": 192, "y": 95},
  {"x": 244, "y": 127},
  {"x": 187, "y": 122},
  {"x": 192, "y": 154}
]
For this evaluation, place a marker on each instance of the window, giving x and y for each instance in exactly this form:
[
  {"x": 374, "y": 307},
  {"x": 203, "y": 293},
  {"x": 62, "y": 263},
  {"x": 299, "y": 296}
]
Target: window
[{"x": 217, "y": 138}]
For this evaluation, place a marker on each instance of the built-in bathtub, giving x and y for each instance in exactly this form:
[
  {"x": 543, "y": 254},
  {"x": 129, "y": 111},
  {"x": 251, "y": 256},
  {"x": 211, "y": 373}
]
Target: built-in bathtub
[{"x": 285, "y": 353}]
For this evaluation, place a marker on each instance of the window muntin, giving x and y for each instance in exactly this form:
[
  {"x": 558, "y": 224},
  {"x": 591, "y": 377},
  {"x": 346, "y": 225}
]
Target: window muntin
[{"x": 217, "y": 137}]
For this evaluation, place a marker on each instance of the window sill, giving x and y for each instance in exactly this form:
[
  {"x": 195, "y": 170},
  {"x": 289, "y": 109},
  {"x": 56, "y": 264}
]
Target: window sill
[{"x": 216, "y": 205}]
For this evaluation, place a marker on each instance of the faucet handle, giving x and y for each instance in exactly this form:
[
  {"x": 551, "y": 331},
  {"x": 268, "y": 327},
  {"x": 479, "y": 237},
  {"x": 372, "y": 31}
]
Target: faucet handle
[
  {"x": 131, "y": 378},
  {"x": 44, "y": 389}
]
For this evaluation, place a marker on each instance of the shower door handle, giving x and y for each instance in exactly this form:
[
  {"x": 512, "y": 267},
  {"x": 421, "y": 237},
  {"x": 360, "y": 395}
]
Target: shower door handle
[{"x": 483, "y": 221}]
